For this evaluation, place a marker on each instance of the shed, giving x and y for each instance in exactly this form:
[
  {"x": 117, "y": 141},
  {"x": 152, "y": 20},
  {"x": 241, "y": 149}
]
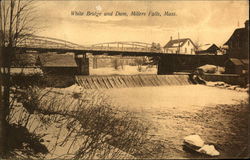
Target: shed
[
  {"x": 60, "y": 64},
  {"x": 208, "y": 49},
  {"x": 234, "y": 66}
]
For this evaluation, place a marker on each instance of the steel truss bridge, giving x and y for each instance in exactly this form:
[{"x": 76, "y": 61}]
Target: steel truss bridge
[
  {"x": 167, "y": 63},
  {"x": 39, "y": 43}
]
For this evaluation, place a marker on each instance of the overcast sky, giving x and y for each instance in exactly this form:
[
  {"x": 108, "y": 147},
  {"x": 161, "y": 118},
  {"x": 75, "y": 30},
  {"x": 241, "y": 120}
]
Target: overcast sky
[{"x": 203, "y": 21}]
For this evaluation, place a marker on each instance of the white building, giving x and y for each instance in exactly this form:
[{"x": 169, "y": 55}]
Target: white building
[{"x": 180, "y": 46}]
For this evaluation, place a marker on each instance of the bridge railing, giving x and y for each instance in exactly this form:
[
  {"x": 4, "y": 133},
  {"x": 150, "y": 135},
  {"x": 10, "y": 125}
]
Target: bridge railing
[
  {"x": 119, "y": 48},
  {"x": 38, "y": 42}
]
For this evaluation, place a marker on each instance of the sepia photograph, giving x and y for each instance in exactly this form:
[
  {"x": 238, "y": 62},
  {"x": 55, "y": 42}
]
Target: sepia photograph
[{"x": 120, "y": 79}]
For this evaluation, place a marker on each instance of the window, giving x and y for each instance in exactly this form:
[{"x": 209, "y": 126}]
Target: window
[
  {"x": 185, "y": 50},
  {"x": 188, "y": 43}
]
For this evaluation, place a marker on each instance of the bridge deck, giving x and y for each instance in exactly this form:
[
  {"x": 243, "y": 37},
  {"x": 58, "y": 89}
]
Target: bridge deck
[{"x": 112, "y": 52}]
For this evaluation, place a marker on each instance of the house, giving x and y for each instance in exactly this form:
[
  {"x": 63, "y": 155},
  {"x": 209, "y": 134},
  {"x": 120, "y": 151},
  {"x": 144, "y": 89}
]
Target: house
[
  {"x": 58, "y": 64},
  {"x": 238, "y": 50},
  {"x": 238, "y": 43},
  {"x": 180, "y": 46},
  {"x": 209, "y": 49}
]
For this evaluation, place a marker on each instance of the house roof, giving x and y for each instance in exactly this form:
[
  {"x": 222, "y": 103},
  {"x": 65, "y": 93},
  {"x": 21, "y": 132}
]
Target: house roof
[
  {"x": 57, "y": 60},
  {"x": 245, "y": 61},
  {"x": 209, "y": 47},
  {"x": 239, "y": 32},
  {"x": 176, "y": 42},
  {"x": 236, "y": 61}
]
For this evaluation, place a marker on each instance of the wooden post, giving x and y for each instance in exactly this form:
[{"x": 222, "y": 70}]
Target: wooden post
[
  {"x": 5, "y": 54},
  {"x": 2, "y": 121}
]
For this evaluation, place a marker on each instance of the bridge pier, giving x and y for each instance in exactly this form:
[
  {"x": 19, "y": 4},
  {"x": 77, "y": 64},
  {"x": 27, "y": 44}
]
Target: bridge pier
[
  {"x": 165, "y": 66},
  {"x": 82, "y": 63}
]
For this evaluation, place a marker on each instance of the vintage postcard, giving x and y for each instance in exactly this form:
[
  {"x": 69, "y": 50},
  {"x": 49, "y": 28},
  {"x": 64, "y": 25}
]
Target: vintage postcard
[{"x": 151, "y": 79}]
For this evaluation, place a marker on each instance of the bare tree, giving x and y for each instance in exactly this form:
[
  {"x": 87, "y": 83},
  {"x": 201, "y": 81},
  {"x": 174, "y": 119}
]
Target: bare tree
[
  {"x": 197, "y": 44},
  {"x": 16, "y": 23},
  {"x": 156, "y": 47}
]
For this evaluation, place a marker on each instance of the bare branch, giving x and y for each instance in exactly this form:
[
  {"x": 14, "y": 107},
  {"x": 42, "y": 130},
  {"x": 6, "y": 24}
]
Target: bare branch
[{"x": 18, "y": 19}]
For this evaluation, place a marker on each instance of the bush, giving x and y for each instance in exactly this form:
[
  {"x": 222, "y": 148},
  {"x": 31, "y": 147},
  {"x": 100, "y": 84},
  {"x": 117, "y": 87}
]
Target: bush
[
  {"x": 23, "y": 80},
  {"x": 93, "y": 126},
  {"x": 20, "y": 139}
]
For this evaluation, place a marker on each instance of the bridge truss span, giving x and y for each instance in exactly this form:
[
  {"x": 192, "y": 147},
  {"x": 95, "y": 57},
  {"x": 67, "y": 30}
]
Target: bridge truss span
[
  {"x": 125, "y": 46},
  {"x": 34, "y": 41},
  {"x": 46, "y": 43}
]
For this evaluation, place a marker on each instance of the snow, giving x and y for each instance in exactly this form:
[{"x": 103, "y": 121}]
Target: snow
[{"x": 167, "y": 108}]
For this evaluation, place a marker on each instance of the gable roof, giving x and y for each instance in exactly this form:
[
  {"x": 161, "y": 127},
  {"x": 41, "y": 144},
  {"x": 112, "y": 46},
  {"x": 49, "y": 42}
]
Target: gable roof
[
  {"x": 175, "y": 43},
  {"x": 239, "y": 32},
  {"x": 57, "y": 60},
  {"x": 245, "y": 61},
  {"x": 210, "y": 47},
  {"x": 236, "y": 61}
]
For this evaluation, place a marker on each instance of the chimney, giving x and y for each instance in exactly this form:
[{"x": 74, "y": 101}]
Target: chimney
[{"x": 171, "y": 38}]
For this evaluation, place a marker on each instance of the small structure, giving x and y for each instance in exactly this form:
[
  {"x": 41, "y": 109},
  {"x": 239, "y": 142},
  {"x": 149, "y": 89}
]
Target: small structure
[
  {"x": 236, "y": 66},
  {"x": 208, "y": 50},
  {"x": 58, "y": 64},
  {"x": 180, "y": 46},
  {"x": 238, "y": 43}
]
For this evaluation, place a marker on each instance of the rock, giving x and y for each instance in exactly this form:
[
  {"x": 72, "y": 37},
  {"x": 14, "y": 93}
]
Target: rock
[
  {"x": 222, "y": 83},
  {"x": 212, "y": 84},
  {"x": 221, "y": 86},
  {"x": 247, "y": 85},
  {"x": 193, "y": 141},
  {"x": 243, "y": 89},
  {"x": 238, "y": 89},
  {"x": 232, "y": 87},
  {"x": 209, "y": 150}
]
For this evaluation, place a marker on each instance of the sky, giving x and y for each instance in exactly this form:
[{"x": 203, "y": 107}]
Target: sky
[{"x": 204, "y": 21}]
